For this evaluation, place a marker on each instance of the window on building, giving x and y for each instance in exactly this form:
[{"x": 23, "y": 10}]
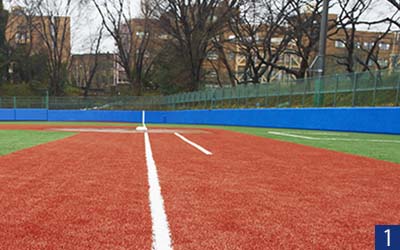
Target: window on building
[
  {"x": 211, "y": 75},
  {"x": 212, "y": 18},
  {"x": 383, "y": 62},
  {"x": 232, "y": 38},
  {"x": 22, "y": 35},
  {"x": 140, "y": 34},
  {"x": 212, "y": 55},
  {"x": 164, "y": 37},
  {"x": 384, "y": 46},
  {"x": 340, "y": 44},
  {"x": 368, "y": 45}
]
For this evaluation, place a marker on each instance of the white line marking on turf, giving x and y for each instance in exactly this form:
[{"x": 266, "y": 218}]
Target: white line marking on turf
[
  {"x": 290, "y": 135},
  {"x": 161, "y": 233},
  {"x": 331, "y": 139},
  {"x": 205, "y": 151}
]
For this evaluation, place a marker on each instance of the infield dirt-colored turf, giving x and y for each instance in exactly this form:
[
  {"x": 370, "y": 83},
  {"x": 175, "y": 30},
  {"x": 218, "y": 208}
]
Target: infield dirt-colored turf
[
  {"x": 257, "y": 193},
  {"x": 90, "y": 191}
]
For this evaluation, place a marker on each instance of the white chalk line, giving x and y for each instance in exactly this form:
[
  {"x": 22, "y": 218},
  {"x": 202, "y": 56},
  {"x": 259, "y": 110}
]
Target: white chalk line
[
  {"x": 161, "y": 233},
  {"x": 200, "y": 148},
  {"x": 331, "y": 139},
  {"x": 322, "y": 133}
]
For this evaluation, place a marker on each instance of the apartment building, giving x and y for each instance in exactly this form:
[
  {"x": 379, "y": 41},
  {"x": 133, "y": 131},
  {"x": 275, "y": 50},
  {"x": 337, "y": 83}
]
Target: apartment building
[
  {"x": 36, "y": 34},
  {"x": 83, "y": 65}
]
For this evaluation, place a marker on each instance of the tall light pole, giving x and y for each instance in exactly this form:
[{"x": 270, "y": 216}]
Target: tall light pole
[{"x": 321, "y": 57}]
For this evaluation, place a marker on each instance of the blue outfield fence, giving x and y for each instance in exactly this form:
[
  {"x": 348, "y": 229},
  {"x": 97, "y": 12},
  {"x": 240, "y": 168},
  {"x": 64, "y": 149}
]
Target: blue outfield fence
[{"x": 370, "y": 120}]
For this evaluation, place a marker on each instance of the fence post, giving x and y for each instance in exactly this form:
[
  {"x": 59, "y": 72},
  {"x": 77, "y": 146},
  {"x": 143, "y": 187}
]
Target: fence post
[
  {"x": 266, "y": 95},
  {"x": 47, "y": 99},
  {"x": 375, "y": 87},
  {"x": 336, "y": 90},
  {"x": 222, "y": 99},
  {"x": 353, "y": 99},
  {"x": 237, "y": 92},
  {"x": 398, "y": 91},
  {"x": 290, "y": 93},
  {"x": 303, "y": 99},
  {"x": 231, "y": 97},
  {"x": 15, "y": 102},
  {"x": 318, "y": 89},
  {"x": 247, "y": 95},
  {"x": 278, "y": 98}
]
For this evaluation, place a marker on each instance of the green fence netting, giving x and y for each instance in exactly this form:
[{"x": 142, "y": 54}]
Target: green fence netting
[{"x": 380, "y": 88}]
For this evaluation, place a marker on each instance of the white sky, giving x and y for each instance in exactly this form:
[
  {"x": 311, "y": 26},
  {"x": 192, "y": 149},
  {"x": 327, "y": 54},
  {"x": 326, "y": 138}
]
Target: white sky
[{"x": 85, "y": 26}]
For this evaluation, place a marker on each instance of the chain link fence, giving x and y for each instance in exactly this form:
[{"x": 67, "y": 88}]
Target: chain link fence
[{"x": 380, "y": 88}]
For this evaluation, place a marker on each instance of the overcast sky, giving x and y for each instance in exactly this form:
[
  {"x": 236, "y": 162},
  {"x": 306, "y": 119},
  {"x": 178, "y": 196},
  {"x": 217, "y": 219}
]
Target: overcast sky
[{"x": 85, "y": 26}]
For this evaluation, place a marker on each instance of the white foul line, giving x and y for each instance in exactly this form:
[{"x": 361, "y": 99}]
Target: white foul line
[
  {"x": 161, "y": 233},
  {"x": 331, "y": 139},
  {"x": 205, "y": 151},
  {"x": 290, "y": 135}
]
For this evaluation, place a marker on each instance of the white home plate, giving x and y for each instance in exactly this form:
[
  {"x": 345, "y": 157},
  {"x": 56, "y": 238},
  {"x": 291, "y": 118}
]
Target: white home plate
[{"x": 141, "y": 128}]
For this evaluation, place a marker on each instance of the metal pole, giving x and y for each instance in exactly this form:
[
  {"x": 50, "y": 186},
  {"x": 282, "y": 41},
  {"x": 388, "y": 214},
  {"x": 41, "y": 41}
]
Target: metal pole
[
  {"x": 322, "y": 39},
  {"x": 321, "y": 54}
]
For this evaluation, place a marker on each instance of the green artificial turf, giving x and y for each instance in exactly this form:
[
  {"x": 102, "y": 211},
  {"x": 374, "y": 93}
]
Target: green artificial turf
[
  {"x": 14, "y": 140},
  {"x": 353, "y": 143}
]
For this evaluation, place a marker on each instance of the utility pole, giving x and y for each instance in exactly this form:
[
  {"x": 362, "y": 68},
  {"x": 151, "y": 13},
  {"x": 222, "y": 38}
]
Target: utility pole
[{"x": 321, "y": 57}]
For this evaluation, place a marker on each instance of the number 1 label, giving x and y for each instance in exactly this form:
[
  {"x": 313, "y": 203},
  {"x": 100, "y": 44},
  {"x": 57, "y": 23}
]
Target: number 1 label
[
  {"x": 387, "y": 232},
  {"x": 387, "y": 237}
]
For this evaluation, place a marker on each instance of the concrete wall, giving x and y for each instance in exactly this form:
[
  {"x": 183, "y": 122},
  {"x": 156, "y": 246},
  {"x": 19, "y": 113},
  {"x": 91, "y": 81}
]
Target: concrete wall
[{"x": 371, "y": 120}]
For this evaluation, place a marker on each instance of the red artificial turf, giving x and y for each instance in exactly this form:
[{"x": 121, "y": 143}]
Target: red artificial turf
[
  {"x": 257, "y": 193},
  {"x": 88, "y": 191}
]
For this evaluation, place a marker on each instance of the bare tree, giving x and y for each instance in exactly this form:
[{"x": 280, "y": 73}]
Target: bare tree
[
  {"x": 132, "y": 42},
  {"x": 51, "y": 35},
  {"x": 395, "y": 3},
  {"x": 192, "y": 26},
  {"x": 84, "y": 67},
  {"x": 223, "y": 48},
  {"x": 262, "y": 37},
  {"x": 358, "y": 55},
  {"x": 304, "y": 24}
]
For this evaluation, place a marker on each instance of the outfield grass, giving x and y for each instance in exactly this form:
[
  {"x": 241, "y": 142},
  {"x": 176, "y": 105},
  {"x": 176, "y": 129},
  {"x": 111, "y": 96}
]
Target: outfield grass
[
  {"x": 14, "y": 140},
  {"x": 352, "y": 143}
]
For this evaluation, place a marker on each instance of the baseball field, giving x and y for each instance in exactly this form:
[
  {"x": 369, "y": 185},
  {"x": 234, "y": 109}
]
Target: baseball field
[{"x": 108, "y": 186}]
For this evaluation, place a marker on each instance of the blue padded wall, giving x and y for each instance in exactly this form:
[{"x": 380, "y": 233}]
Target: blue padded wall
[
  {"x": 31, "y": 114},
  {"x": 7, "y": 115},
  {"x": 371, "y": 120},
  {"x": 94, "y": 115}
]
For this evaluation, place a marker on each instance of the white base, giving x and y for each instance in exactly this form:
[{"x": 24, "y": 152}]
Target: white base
[{"x": 141, "y": 128}]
